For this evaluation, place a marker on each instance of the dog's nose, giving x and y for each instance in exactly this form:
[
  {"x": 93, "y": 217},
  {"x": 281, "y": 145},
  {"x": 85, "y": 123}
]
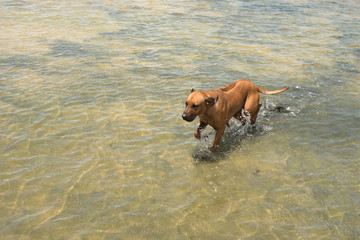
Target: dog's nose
[{"x": 183, "y": 116}]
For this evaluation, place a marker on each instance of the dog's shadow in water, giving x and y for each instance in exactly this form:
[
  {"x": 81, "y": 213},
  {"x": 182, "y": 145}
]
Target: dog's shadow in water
[{"x": 233, "y": 138}]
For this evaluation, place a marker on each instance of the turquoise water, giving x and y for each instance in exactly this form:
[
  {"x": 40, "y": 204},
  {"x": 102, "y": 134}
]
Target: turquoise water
[{"x": 92, "y": 144}]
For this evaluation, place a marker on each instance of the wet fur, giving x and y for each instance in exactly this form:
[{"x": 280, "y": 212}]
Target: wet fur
[{"x": 216, "y": 107}]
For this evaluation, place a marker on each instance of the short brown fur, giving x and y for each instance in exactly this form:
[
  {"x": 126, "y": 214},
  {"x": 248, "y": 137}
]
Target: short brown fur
[{"x": 216, "y": 107}]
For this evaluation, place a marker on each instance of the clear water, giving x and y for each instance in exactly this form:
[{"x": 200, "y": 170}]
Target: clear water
[{"x": 92, "y": 144}]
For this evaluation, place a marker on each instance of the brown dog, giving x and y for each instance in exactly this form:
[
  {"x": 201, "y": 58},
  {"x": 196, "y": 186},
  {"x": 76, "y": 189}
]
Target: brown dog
[{"x": 216, "y": 107}]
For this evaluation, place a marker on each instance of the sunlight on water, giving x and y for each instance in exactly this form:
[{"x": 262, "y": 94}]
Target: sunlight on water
[{"x": 92, "y": 141}]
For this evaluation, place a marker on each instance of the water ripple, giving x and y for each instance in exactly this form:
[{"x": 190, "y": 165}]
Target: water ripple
[{"x": 93, "y": 145}]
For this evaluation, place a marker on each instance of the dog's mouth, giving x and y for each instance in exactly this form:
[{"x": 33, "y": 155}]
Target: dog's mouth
[{"x": 188, "y": 118}]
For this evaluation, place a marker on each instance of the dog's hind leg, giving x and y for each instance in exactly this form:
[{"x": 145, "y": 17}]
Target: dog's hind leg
[
  {"x": 252, "y": 106},
  {"x": 254, "y": 115}
]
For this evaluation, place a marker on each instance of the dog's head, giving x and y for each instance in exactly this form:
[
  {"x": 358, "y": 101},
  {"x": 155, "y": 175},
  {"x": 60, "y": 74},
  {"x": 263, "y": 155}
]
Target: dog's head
[{"x": 197, "y": 103}]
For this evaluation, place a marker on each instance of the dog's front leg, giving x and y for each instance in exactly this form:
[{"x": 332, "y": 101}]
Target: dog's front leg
[
  {"x": 218, "y": 136},
  {"x": 202, "y": 126}
]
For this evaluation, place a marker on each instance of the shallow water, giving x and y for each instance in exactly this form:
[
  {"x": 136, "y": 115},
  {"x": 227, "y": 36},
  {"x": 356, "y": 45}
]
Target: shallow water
[{"x": 92, "y": 141}]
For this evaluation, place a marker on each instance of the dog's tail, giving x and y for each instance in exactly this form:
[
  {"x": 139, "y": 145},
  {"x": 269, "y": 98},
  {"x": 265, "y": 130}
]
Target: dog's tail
[{"x": 271, "y": 92}]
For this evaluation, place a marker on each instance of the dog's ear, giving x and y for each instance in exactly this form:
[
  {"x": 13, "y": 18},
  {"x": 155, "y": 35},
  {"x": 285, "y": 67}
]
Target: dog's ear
[
  {"x": 192, "y": 90},
  {"x": 211, "y": 101}
]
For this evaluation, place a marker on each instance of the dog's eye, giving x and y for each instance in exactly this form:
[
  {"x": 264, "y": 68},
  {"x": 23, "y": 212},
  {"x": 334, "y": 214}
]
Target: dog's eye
[{"x": 195, "y": 106}]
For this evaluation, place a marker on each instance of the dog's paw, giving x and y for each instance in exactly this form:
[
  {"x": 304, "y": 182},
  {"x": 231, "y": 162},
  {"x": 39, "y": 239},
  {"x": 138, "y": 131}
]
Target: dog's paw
[
  {"x": 213, "y": 149},
  {"x": 197, "y": 135}
]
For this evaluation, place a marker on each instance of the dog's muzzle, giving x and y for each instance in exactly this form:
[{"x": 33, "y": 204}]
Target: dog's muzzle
[{"x": 188, "y": 118}]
